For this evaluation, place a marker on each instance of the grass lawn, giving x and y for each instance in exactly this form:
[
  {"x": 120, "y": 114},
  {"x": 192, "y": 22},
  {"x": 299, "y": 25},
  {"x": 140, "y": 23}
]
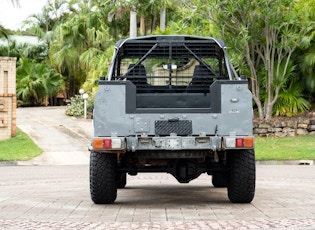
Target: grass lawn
[
  {"x": 285, "y": 148},
  {"x": 20, "y": 147}
]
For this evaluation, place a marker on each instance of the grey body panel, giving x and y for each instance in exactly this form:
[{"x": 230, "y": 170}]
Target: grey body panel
[{"x": 111, "y": 119}]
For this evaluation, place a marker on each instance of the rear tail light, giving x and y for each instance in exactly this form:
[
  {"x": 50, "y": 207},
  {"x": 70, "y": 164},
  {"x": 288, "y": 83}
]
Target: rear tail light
[
  {"x": 239, "y": 142},
  {"x": 107, "y": 143},
  {"x": 98, "y": 143},
  {"x": 248, "y": 142}
]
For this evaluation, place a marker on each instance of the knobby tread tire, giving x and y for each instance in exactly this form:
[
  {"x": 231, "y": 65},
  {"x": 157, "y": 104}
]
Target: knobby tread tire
[
  {"x": 103, "y": 186},
  {"x": 241, "y": 183}
]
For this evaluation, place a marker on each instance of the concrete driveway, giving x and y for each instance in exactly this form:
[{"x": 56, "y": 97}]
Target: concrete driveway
[{"x": 64, "y": 139}]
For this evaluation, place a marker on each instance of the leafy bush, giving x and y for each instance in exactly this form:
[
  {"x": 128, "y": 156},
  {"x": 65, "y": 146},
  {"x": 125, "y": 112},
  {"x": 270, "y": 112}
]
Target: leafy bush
[{"x": 76, "y": 106}]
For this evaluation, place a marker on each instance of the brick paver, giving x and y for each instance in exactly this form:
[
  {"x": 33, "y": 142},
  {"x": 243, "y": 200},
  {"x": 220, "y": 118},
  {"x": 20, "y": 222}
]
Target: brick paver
[
  {"x": 55, "y": 194},
  {"x": 57, "y": 197}
]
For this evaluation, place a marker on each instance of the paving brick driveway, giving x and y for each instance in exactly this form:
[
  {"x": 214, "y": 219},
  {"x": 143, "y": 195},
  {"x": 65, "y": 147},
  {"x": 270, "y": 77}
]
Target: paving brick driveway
[
  {"x": 57, "y": 197},
  {"x": 52, "y": 192}
]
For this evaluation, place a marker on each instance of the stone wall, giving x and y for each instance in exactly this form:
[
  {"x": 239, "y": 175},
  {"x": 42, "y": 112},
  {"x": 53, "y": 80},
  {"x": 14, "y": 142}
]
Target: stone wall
[
  {"x": 7, "y": 97},
  {"x": 284, "y": 126}
]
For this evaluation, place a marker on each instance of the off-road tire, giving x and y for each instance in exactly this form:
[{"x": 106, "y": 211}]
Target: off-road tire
[
  {"x": 220, "y": 180},
  {"x": 241, "y": 183},
  {"x": 121, "y": 179},
  {"x": 103, "y": 186}
]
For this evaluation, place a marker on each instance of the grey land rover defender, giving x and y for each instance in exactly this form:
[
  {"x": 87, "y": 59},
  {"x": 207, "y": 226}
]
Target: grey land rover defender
[{"x": 172, "y": 104}]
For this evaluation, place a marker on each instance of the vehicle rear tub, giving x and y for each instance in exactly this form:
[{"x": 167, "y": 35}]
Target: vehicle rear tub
[{"x": 117, "y": 111}]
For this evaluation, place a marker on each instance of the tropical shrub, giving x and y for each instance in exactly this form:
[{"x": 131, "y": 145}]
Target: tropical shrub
[
  {"x": 76, "y": 106},
  {"x": 36, "y": 82}
]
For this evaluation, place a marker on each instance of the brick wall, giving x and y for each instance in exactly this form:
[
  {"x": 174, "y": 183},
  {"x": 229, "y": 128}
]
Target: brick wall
[{"x": 7, "y": 97}]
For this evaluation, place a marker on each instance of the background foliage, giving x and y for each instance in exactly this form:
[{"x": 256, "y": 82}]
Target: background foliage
[{"x": 270, "y": 42}]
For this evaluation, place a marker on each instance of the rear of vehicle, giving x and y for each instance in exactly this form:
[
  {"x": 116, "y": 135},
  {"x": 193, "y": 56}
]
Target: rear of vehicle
[{"x": 172, "y": 104}]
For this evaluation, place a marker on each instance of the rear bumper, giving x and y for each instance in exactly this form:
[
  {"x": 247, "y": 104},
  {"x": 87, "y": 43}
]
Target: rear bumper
[
  {"x": 173, "y": 143},
  {"x": 170, "y": 143}
]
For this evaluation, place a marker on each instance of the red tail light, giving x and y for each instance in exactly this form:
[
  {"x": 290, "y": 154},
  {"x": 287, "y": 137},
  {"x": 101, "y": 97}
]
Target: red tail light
[
  {"x": 107, "y": 143},
  {"x": 239, "y": 142}
]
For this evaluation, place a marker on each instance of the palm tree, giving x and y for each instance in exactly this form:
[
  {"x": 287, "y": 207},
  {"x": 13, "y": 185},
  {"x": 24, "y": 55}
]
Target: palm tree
[
  {"x": 146, "y": 10},
  {"x": 307, "y": 61},
  {"x": 162, "y": 19},
  {"x": 12, "y": 49},
  {"x": 36, "y": 82},
  {"x": 84, "y": 34},
  {"x": 149, "y": 9},
  {"x": 28, "y": 82},
  {"x": 133, "y": 23},
  {"x": 52, "y": 83},
  {"x": 291, "y": 100},
  {"x": 4, "y": 32},
  {"x": 163, "y": 5}
]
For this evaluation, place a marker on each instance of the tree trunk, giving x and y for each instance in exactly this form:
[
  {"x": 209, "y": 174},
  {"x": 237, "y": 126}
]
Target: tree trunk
[
  {"x": 142, "y": 26},
  {"x": 254, "y": 78},
  {"x": 46, "y": 100},
  {"x": 153, "y": 24},
  {"x": 162, "y": 19},
  {"x": 133, "y": 24},
  {"x": 268, "y": 113}
]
